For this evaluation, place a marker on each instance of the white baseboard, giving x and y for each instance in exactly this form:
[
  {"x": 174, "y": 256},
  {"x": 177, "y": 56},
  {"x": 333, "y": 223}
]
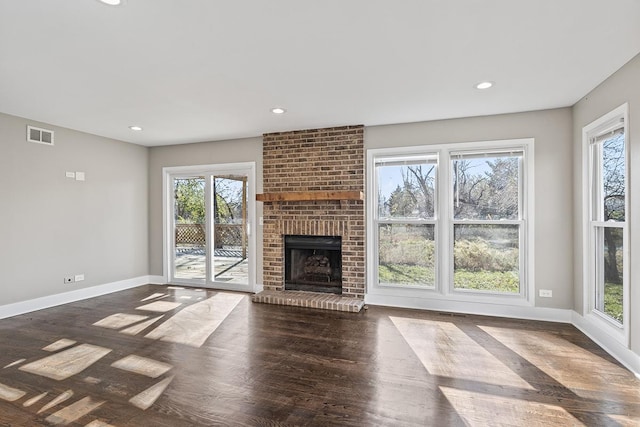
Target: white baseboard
[
  {"x": 157, "y": 280},
  {"x": 35, "y": 304},
  {"x": 499, "y": 310},
  {"x": 611, "y": 345}
]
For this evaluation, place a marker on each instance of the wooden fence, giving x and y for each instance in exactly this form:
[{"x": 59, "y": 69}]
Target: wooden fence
[{"x": 226, "y": 235}]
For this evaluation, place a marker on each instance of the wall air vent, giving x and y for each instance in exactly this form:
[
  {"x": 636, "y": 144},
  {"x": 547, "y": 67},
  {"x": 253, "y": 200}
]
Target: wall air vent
[{"x": 39, "y": 135}]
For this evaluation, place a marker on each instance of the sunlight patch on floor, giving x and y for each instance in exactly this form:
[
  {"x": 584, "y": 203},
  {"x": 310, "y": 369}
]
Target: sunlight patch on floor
[
  {"x": 98, "y": 423},
  {"x": 34, "y": 399},
  {"x": 10, "y": 394},
  {"x": 478, "y": 409},
  {"x": 136, "y": 329},
  {"x": 120, "y": 320},
  {"x": 552, "y": 354},
  {"x": 74, "y": 411},
  {"x": 626, "y": 421},
  {"x": 62, "y": 397},
  {"x": 67, "y": 363},
  {"x": 194, "y": 324},
  {"x": 160, "y": 306},
  {"x": 445, "y": 350},
  {"x": 154, "y": 296},
  {"x": 142, "y": 365},
  {"x": 146, "y": 398},
  {"x": 14, "y": 363}
]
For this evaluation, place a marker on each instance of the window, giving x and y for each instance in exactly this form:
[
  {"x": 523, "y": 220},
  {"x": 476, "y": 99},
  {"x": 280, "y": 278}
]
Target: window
[
  {"x": 406, "y": 220},
  {"x": 606, "y": 227},
  {"x": 487, "y": 221},
  {"x": 451, "y": 221}
]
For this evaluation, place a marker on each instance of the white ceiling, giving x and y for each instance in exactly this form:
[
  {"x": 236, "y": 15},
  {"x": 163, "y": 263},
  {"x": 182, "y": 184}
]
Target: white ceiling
[{"x": 202, "y": 70}]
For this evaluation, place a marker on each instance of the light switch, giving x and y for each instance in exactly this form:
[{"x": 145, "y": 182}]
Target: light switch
[
  {"x": 79, "y": 176},
  {"x": 70, "y": 174}
]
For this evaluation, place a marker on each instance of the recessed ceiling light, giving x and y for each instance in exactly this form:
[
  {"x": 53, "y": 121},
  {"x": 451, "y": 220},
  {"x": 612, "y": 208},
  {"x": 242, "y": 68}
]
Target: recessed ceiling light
[
  {"x": 278, "y": 110},
  {"x": 484, "y": 85},
  {"x": 136, "y": 128},
  {"x": 112, "y": 2}
]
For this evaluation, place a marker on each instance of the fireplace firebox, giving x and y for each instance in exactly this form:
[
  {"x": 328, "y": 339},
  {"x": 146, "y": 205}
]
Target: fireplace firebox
[{"x": 313, "y": 263}]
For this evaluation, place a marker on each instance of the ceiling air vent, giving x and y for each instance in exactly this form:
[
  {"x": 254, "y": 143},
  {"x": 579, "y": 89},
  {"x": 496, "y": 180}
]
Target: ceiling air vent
[{"x": 39, "y": 135}]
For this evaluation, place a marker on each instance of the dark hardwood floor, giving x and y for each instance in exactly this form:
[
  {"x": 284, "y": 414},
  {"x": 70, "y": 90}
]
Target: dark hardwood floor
[{"x": 186, "y": 357}]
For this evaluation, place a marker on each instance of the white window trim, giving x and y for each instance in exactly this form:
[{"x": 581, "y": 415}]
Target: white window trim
[
  {"x": 443, "y": 290},
  {"x": 617, "y": 332}
]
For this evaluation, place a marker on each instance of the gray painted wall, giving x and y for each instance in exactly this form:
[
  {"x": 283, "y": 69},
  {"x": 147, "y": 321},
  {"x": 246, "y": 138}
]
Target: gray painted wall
[
  {"x": 621, "y": 87},
  {"x": 205, "y": 153},
  {"x": 53, "y": 226},
  {"x": 553, "y": 180}
]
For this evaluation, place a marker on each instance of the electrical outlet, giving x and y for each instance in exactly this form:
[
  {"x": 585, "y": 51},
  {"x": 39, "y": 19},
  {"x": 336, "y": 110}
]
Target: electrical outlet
[
  {"x": 68, "y": 280},
  {"x": 79, "y": 278},
  {"x": 546, "y": 293}
]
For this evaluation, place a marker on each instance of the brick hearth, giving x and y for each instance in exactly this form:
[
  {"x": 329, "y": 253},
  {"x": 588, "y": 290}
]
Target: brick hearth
[{"x": 310, "y": 299}]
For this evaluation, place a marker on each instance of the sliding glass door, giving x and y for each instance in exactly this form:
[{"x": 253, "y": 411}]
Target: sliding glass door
[
  {"x": 229, "y": 260},
  {"x": 189, "y": 228},
  {"x": 209, "y": 217}
]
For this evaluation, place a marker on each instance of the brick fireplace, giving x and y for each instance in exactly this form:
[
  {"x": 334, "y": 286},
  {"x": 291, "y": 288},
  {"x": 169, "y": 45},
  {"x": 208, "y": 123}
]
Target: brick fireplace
[{"x": 313, "y": 181}]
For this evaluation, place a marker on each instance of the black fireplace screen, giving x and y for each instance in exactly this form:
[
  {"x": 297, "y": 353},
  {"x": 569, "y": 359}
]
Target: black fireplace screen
[{"x": 313, "y": 263}]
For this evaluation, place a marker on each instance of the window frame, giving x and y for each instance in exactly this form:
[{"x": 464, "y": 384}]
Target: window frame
[
  {"x": 592, "y": 195},
  {"x": 409, "y": 221},
  {"x": 444, "y": 228},
  {"x": 521, "y": 221}
]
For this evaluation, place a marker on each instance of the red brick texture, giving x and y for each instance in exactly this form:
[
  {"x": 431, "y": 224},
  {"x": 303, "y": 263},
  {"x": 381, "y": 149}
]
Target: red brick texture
[{"x": 330, "y": 159}]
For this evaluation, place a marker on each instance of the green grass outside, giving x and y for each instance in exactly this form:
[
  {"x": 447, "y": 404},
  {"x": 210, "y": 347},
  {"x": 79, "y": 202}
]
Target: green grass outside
[
  {"x": 494, "y": 281},
  {"x": 613, "y": 300},
  {"x": 404, "y": 274}
]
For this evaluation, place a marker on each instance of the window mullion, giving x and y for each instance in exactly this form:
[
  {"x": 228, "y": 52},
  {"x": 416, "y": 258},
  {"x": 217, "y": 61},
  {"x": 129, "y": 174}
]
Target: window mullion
[
  {"x": 444, "y": 243},
  {"x": 612, "y": 224},
  {"x": 406, "y": 221},
  {"x": 487, "y": 222}
]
